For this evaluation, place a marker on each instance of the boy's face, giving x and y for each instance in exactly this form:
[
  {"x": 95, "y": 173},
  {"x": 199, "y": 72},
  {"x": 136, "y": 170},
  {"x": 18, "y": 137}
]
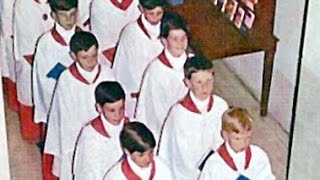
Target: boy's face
[
  {"x": 142, "y": 159},
  {"x": 201, "y": 84},
  {"x": 66, "y": 18},
  {"x": 238, "y": 141},
  {"x": 87, "y": 59},
  {"x": 176, "y": 42},
  {"x": 113, "y": 112},
  {"x": 153, "y": 16}
]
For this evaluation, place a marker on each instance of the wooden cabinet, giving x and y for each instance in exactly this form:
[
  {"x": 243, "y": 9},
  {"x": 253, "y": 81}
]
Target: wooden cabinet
[{"x": 215, "y": 36}]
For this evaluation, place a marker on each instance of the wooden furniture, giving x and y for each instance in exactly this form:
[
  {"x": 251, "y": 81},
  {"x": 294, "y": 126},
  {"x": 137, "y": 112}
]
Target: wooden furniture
[{"x": 216, "y": 37}]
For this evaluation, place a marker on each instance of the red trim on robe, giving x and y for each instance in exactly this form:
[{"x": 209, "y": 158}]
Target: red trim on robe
[
  {"x": 58, "y": 38},
  {"x": 10, "y": 91},
  {"x": 29, "y": 58},
  {"x": 130, "y": 175},
  {"x": 123, "y": 5},
  {"x": 189, "y": 104},
  {"x": 75, "y": 73},
  {"x": 139, "y": 21},
  {"x": 163, "y": 58},
  {"x": 30, "y": 131},
  {"x": 47, "y": 162},
  {"x": 97, "y": 124},
  {"x": 109, "y": 54},
  {"x": 228, "y": 159}
]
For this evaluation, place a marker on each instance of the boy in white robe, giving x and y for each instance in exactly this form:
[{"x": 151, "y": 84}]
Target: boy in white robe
[
  {"x": 6, "y": 54},
  {"x": 98, "y": 146},
  {"x": 237, "y": 158},
  {"x": 73, "y": 102},
  {"x": 162, "y": 85},
  {"x": 31, "y": 18},
  {"x": 138, "y": 45},
  {"x": 108, "y": 18},
  {"x": 52, "y": 56},
  {"x": 193, "y": 125},
  {"x": 138, "y": 163}
]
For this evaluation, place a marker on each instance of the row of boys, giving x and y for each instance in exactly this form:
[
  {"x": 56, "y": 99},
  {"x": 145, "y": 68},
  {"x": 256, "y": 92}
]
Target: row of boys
[{"x": 168, "y": 79}]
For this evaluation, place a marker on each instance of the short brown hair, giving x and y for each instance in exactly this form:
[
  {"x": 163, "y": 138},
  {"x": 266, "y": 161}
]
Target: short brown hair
[{"x": 233, "y": 115}]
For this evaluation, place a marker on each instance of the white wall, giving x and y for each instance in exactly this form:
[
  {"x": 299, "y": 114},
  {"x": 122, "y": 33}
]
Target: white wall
[
  {"x": 288, "y": 23},
  {"x": 305, "y": 156}
]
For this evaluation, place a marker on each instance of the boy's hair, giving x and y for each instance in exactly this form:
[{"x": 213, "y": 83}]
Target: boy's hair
[
  {"x": 236, "y": 115},
  {"x": 151, "y": 4},
  {"x": 82, "y": 41},
  {"x": 135, "y": 136},
  {"x": 108, "y": 92},
  {"x": 171, "y": 21},
  {"x": 63, "y": 5},
  {"x": 195, "y": 64}
]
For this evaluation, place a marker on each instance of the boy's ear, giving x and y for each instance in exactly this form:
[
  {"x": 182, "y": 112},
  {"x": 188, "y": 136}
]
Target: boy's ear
[
  {"x": 141, "y": 8},
  {"x": 164, "y": 42},
  {"x": 73, "y": 55},
  {"x": 187, "y": 82},
  {"x": 224, "y": 135},
  {"x": 98, "y": 108}
]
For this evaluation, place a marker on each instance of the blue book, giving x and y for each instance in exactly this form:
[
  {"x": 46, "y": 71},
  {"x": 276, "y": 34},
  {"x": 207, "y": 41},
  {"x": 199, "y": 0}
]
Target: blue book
[
  {"x": 56, "y": 71},
  {"x": 242, "y": 177}
]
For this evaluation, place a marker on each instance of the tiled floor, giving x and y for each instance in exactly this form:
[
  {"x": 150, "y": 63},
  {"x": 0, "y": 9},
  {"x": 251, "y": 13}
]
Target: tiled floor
[{"x": 25, "y": 161}]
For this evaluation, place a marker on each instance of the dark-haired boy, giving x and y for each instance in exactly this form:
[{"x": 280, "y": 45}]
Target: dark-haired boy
[
  {"x": 139, "y": 44},
  {"x": 162, "y": 85},
  {"x": 98, "y": 146},
  {"x": 73, "y": 101},
  {"x": 139, "y": 162},
  {"x": 193, "y": 125}
]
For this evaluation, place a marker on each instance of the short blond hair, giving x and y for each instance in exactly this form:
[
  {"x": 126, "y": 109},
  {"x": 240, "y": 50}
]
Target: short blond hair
[{"x": 235, "y": 115}]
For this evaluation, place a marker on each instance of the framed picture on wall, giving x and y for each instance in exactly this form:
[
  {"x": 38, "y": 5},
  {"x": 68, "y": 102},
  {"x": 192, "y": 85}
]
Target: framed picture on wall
[
  {"x": 249, "y": 19},
  {"x": 238, "y": 17},
  {"x": 230, "y": 8}
]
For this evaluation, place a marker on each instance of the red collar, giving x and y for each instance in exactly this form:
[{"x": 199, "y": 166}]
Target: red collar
[
  {"x": 228, "y": 159},
  {"x": 123, "y": 5},
  {"x": 163, "y": 58},
  {"x": 189, "y": 104},
  {"x": 139, "y": 21},
  {"x": 75, "y": 72},
  {"x": 97, "y": 124},
  {"x": 130, "y": 175},
  {"x": 58, "y": 38}
]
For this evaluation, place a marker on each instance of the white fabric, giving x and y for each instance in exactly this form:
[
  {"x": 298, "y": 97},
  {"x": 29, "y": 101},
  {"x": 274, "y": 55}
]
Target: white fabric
[
  {"x": 6, "y": 41},
  {"x": 49, "y": 52},
  {"x": 107, "y": 21},
  {"x": 161, "y": 88},
  {"x": 153, "y": 30},
  {"x": 135, "y": 50},
  {"x": 201, "y": 105},
  {"x": 162, "y": 171},
  {"x": 83, "y": 14},
  {"x": 187, "y": 136},
  {"x": 72, "y": 107},
  {"x": 96, "y": 153},
  {"x": 238, "y": 157},
  {"x": 28, "y": 25},
  {"x": 259, "y": 167},
  {"x": 144, "y": 173},
  {"x": 176, "y": 62},
  {"x": 89, "y": 76}
]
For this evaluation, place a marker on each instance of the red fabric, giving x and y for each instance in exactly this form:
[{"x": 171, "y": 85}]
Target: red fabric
[
  {"x": 47, "y": 162},
  {"x": 228, "y": 159},
  {"x": 57, "y": 37},
  {"x": 10, "y": 91},
  {"x": 164, "y": 60},
  {"x": 76, "y": 74},
  {"x": 30, "y": 131},
  {"x": 29, "y": 58},
  {"x": 98, "y": 126},
  {"x": 189, "y": 104},
  {"x": 130, "y": 175},
  {"x": 123, "y": 5},
  {"x": 139, "y": 21},
  {"x": 109, "y": 54}
]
